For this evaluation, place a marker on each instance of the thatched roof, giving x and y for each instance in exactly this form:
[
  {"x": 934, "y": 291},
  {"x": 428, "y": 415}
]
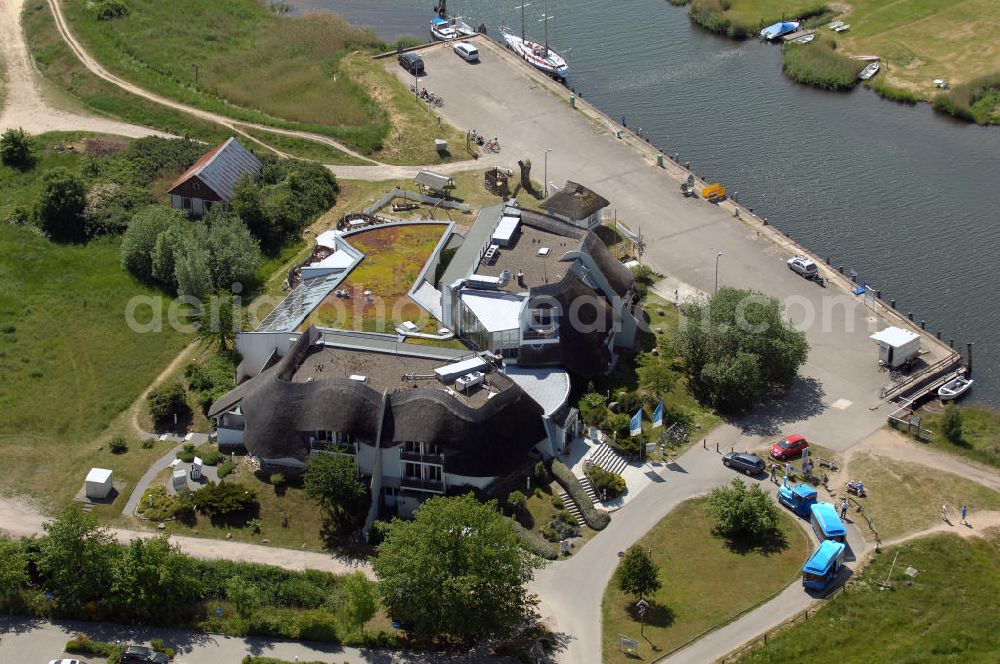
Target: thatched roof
[{"x": 574, "y": 201}]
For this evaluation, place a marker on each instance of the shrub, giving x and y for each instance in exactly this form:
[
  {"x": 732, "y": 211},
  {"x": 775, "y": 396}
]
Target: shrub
[
  {"x": 533, "y": 543},
  {"x": 166, "y": 402},
  {"x": 223, "y": 498},
  {"x": 618, "y": 424},
  {"x": 81, "y": 644},
  {"x": 819, "y": 65},
  {"x": 16, "y": 147},
  {"x": 225, "y": 468},
  {"x": 557, "y": 502},
  {"x": 118, "y": 445},
  {"x": 540, "y": 475},
  {"x": 603, "y": 481},
  {"x": 187, "y": 453},
  {"x": 148, "y": 444},
  {"x": 277, "y": 480},
  {"x": 593, "y": 407},
  {"x": 568, "y": 481},
  {"x": 159, "y": 505},
  {"x": 210, "y": 456},
  {"x": 61, "y": 205},
  {"x": 517, "y": 499},
  {"x": 952, "y": 425},
  {"x": 562, "y": 526},
  {"x": 109, "y": 10},
  {"x": 377, "y": 532},
  {"x": 744, "y": 514}
]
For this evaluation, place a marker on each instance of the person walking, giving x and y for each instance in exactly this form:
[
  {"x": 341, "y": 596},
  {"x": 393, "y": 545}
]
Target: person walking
[
  {"x": 774, "y": 472},
  {"x": 944, "y": 513},
  {"x": 965, "y": 513},
  {"x": 844, "y": 506}
]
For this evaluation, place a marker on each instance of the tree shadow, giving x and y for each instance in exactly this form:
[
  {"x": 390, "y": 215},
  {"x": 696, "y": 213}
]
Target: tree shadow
[
  {"x": 801, "y": 401},
  {"x": 767, "y": 543},
  {"x": 657, "y": 615}
]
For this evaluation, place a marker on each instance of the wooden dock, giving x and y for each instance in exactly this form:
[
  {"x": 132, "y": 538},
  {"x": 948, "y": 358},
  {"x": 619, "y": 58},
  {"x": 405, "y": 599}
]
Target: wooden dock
[{"x": 792, "y": 36}]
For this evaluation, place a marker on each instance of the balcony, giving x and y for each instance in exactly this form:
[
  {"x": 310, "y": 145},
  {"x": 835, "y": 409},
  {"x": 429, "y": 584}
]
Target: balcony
[
  {"x": 419, "y": 484},
  {"x": 437, "y": 458}
]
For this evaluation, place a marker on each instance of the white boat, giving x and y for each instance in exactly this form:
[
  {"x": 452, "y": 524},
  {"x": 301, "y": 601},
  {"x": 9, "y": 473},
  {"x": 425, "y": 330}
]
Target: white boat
[
  {"x": 869, "y": 71},
  {"x": 447, "y": 29},
  {"x": 955, "y": 388},
  {"x": 537, "y": 55},
  {"x": 835, "y": 25},
  {"x": 804, "y": 39},
  {"x": 842, "y": 28}
]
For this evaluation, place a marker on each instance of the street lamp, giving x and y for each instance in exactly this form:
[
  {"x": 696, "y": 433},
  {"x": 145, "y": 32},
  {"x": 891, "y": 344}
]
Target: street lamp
[
  {"x": 717, "y": 257},
  {"x": 545, "y": 185},
  {"x": 416, "y": 84}
]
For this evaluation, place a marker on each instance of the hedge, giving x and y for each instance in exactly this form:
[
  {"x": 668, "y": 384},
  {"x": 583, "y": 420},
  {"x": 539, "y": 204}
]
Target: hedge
[
  {"x": 567, "y": 480},
  {"x": 534, "y": 543}
]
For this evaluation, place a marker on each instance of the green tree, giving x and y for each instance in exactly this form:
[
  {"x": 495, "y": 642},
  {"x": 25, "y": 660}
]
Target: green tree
[
  {"x": 331, "y": 480},
  {"x": 13, "y": 568},
  {"x": 219, "y": 320},
  {"x": 637, "y": 574},
  {"x": 166, "y": 401},
  {"x": 193, "y": 268},
  {"x": 517, "y": 499},
  {"x": 456, "y": 570},
  {"x": 235, "y": 254},
  {"x": 359, "y": 601},
  {"x": 16, "y": 148},
  {"x": 655, "y": 375},
  {"x": 744, "y": 514},
  {"x": 169, "y": 243},
  {"x": 952, "y": 425},
  {"x": 244, "y": 595},
  {"x": 248, "y": 205},
  {"x": 593, "y": 407},
  {"x": 736, "y": 346},
  {"x": 75, "y": 559},
  {"x": 143, "y": 236},
  {"x": 618, "y": 424},
  {"x": 61, "y": 205},
  {"x": 153, "y": 582}
]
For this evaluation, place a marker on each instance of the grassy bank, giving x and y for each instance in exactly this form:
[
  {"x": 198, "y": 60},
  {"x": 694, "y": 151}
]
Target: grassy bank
[
  {"x": 981, "y": 435},
  {"x": 705, "y": 582},
  {"x": 69, "y": 363},
  {"x": 946, "y": 613},
  {"x": 238, "y": 58},
  {"x": 741, "y": 19},
  {"x": 907, "y": 497},
  {"x": 977, "y": 101},
  {"x": 302, "y": 148},
  {"x": 59, "y": 66},
  {"x": 820, "y": 65}
]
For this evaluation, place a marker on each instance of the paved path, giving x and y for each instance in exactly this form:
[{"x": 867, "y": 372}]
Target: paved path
[
  {"x": 147, "y": 477},
  {"x": 25, "y": 106},
  {"x": 24, "y": 641}
]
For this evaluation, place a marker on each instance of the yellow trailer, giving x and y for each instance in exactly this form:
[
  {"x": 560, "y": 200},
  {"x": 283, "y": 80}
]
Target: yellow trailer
[{"x": 713, "y": 192}]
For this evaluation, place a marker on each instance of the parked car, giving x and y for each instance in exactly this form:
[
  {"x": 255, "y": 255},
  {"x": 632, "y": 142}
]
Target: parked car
[
  {"x": 751, "y": 464},
  {"x": 803, "y": 266},
  {"x": 412, "y": 63},
  {"x": 142, "y": 655},
  {"x": 467, "y": 51},
  {"x": 65, "y": 661},
  {"x": 789, "y": 447}
]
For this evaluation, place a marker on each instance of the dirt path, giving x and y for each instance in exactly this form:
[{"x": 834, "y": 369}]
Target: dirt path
[
  {"x": 979, "y": 523},
  {"x": 98, "y": 70},
  {"x": 19, "y": 519},
  {"x": 25, "y": 106}
]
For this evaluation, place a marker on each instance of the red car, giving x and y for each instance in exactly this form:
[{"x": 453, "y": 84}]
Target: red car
[{"x": 789, "y": 447}]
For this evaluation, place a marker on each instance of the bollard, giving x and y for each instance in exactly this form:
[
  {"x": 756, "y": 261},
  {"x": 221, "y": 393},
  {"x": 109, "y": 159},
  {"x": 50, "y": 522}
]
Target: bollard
[
  {"x": 951, "y": 343},
  {"x": 659, "y": 159},
  {"x": 909, "y": 314},
  {"x": 716, "y": 447},
  {"x": 923, "y": 325},
  {"x": 841, "y": 269},
  {"x": 829, "y": 260},
  {"x": 572, "y": 101},
  {"x": 704, "y": 443},
  {"x": 968, "y": 361},
  {"x": 892, "y": 303},
  {"x": 687, "y": 165},
  {"x": 878, "y": 293},
  {"x": 938, "y": 335}
]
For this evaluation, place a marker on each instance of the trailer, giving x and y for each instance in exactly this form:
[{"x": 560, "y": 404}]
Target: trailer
[{"x": 897, "y": 347}]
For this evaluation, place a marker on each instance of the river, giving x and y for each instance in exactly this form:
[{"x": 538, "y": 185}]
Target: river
[{"x": 901, "y": 195}]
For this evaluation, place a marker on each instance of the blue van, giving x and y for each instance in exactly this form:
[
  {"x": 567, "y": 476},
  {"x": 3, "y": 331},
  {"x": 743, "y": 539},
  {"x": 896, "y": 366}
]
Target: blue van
[
  {"x": 822, "y": 567},
  {"x": 826, "y": 524}
]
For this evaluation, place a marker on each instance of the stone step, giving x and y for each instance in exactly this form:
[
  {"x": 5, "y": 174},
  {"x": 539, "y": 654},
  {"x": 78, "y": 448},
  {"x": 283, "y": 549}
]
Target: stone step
[
  {"x": 589, "y": 488},
  {"x": 605, "y": 457},
  {"x": 570, "y": 506}
]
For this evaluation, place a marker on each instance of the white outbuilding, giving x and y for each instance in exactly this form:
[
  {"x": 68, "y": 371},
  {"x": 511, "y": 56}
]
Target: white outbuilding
[
  {"x": 98, "y": 485},
  {"x": 896, "y": 346}
]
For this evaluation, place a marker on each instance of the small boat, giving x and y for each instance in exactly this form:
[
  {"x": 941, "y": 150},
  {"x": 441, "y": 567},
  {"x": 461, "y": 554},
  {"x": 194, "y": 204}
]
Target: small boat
[
  {"x": 955, "y": 388},
  {"x": 804, "y": 39},
  {"x": 835, "y": 25},
  {"x": 778, "y": 29},
  {"x": 868, "y": 71},
  {"x": 448, "y": 29},
  {"x": 842, "y": 28}
]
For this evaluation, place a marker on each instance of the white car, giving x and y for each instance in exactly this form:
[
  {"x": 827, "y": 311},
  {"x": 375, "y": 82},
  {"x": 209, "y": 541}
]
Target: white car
[
  {"x": 803, "y": 266},
  {"x": 467, "y": 51}
]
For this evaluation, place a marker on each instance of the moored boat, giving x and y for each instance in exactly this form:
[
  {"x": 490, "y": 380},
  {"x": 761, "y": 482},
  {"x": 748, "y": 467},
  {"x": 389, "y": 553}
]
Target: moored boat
[
  {"x": 869, "y": 71},
  {"x": 779, "y": 29},
  {"x": 955, "y": 388},
  {"x": 537, "y": 55},
  {"x": 441, "y": 30}
]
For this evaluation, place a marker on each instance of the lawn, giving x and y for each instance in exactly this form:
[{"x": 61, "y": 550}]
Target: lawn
[
  {"x": 394, "y": 256},
  {"x": 60, "y": 66},
  {"x": 947, "y": 613},
  {"x": 705, "y": 583},
  {"x": 981, "y": 439},
  {"x": 906, "y": 497},
  {"x": 69, "y": 363},
  {"x": 539, "y": 510},
  {"x": 302, "y": 148}
]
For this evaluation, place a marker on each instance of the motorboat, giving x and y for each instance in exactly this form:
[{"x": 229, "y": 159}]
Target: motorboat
[
  {"x": 804, "y": 39},
  {"x": 955, "y": 388},
  {"x": 869, "y": 71},
  {"x": 537, "y": 55},
  {"x": 448, "y": 29},
  {"x": 779, "y": 29},
  {"x": 835, "y": 25}
]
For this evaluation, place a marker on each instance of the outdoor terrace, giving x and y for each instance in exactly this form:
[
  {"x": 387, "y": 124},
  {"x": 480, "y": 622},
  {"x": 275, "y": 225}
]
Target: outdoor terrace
[{"x": 537, "y": 268}]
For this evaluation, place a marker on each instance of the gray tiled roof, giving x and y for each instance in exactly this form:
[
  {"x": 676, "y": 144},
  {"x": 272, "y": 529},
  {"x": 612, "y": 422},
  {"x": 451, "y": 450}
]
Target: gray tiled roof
[{"x": 222, "y": 167}]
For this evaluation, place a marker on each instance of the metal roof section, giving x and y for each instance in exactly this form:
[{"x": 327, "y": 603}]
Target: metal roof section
[
  {"x": 433, "y": 181},
  {"x": 450, "y": 372},
  {"x": 548, "y": 387},
  {"x": 428, "y": 297},
  {"x": 222, "y": 167},
  {"x": 466, "y": 259},
  {"x": 506, "y": 230},
  {"x": 896, "y": 337},
  {"x": 496, "y": 311}
]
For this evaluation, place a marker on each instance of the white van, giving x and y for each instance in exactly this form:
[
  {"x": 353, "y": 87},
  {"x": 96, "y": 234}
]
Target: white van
[{"x": 467, "y": 51}]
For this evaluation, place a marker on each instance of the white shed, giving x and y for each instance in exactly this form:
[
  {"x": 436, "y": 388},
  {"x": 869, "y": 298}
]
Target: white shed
[
  {"x": 896, "y": 346},
  {"x": 99, "y": 483}
]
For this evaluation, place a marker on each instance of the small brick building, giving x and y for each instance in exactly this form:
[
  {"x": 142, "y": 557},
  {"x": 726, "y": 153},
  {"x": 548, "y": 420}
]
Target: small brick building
[{"x": 212, "y": 178}]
